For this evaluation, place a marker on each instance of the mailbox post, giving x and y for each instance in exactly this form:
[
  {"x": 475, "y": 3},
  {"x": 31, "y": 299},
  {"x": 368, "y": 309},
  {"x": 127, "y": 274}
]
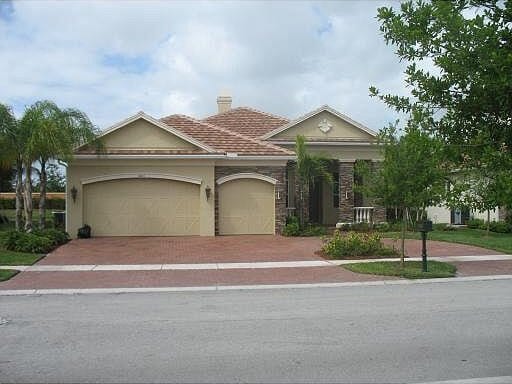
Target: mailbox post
[{"x": 424, "y": 227}]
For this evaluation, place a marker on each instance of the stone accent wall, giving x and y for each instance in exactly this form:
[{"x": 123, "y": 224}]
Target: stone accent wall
[
  {"x": 276, "y": 172},
  {"x": 346, "y": 210}
]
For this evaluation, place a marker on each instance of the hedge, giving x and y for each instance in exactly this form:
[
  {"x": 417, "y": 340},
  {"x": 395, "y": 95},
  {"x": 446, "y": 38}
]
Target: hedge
[{"x": 58, "y": 204}]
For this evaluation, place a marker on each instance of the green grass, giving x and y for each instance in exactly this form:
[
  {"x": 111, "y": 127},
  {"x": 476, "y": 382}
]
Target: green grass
[
  {"x": 501, "y": 242},
  {"x": 6, "y": 274},
  {"x": 411, "y": 270},
  {"x": 17, "y": 258}
]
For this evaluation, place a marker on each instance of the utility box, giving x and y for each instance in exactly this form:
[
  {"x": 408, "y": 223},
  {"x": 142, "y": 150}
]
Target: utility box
[{"x": 424, "y": 226}]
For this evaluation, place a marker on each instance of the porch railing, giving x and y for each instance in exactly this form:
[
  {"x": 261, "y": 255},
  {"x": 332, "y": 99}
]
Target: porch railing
[{"x": 363, "y": 214}]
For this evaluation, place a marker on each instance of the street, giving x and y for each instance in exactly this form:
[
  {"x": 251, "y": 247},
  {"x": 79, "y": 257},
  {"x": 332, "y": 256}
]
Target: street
[{"x": 397, "y": 333}]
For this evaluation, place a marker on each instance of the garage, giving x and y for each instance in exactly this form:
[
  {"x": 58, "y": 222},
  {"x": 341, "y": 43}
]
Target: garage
[
  {"x": 246, "y": 206},
  {"x": 142, "y": 207}
]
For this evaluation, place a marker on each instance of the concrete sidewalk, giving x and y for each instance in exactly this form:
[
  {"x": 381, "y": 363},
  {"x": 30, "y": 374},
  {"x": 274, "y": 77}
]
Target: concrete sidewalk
[{"x": 254, "y": 265}]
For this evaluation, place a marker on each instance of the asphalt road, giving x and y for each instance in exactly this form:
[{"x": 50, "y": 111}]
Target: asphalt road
[{"x": 402, "y": 333}]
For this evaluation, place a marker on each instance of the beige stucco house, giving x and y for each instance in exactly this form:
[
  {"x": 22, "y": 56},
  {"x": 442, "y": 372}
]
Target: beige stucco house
[{"x": 230, "y": 173}]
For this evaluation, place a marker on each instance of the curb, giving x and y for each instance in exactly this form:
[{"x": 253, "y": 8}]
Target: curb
[{"x": 78, "y": 291}]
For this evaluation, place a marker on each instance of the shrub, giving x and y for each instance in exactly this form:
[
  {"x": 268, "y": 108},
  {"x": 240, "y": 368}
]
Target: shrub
[
  {"x": 476, "y": 224},
  {"x": 292, "y": 226},
  {"x": 500, "y": 227},
  {"x": 27, "y": 242},
  {"x": 57, "y": 236},
  {"x": 313, "y": 230},
  {"x": 356, "y": 244}
]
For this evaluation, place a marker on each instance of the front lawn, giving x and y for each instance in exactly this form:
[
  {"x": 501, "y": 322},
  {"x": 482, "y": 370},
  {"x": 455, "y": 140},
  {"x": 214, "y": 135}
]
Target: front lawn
[
  {"x": 18, "y": 258},
  {"x": 501, "y": 242},
  {"x": 6, "y": 274},
  {"x": 411, "y": 270}
]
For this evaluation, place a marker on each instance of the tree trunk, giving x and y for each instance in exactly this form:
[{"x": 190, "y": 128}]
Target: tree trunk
[
  {"x": 488, "y": 223},
  {"x": 28, "y": 198},
  {"x": 19, "y": 194},
  {"x": 402, "y": 250},
  {"x": 42, "y": 195}
]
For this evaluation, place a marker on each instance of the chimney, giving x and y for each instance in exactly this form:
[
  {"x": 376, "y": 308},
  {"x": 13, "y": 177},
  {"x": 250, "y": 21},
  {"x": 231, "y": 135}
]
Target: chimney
[{"x": 224, "y": 103}]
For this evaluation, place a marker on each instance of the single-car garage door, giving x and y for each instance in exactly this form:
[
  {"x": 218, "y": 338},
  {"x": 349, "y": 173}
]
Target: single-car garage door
[
  {"x": 142, "y": 207},
  {"x": 246, "y": 206}
]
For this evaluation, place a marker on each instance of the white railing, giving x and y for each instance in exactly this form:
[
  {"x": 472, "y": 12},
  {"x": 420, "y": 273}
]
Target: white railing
[{"x": 363, "y": 214}]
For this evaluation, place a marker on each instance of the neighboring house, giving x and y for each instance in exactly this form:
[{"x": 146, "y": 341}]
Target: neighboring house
[
  {"x": 230, "y": 173},
  {"x": 460, "y": 216}
]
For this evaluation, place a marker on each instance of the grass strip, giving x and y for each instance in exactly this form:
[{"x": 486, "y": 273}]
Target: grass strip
[
  {"x": 6, "y": 274},
  {"x": 411, "y": 269}
]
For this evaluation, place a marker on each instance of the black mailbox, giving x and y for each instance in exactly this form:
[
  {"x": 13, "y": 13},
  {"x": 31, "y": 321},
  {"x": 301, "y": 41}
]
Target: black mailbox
[{"x": 425, "y": 226}]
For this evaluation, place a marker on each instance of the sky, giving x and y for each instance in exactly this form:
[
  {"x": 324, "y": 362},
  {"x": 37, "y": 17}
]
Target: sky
[{"x": 112, "y": 59}]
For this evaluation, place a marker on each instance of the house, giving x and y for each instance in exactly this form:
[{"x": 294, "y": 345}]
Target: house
[{"x": 230, "y": 173}]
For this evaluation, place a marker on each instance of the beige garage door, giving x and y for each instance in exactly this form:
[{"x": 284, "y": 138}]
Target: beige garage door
[
  {"x": 144, "y": 207},
  {"x": 246, "y": 206}
]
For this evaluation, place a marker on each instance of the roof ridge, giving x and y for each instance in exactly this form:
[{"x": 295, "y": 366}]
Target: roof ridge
[
  {"x": 266, "y": 144},
  {"x": 250, "y": 109}
]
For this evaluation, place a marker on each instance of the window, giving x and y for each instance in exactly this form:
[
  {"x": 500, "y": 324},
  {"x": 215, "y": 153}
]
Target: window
[{"x": 336, "y": 190}]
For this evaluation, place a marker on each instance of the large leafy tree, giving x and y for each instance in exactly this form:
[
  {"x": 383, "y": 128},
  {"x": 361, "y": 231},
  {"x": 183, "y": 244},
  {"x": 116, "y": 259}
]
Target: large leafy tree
[
  {"x": 309, "y": 168},
  {"x": 411, "y": 174},
  {"x": 52, "y": 133},
  {"x": 459, "y": 60}
]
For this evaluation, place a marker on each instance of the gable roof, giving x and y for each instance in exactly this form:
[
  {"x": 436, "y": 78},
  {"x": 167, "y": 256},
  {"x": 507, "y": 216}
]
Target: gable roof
[
  {"x": 323, "y": 108},
  {"x": 223, "y": 140},
  {"x": 247, "y": 121},
  {"x": 201, "y": 147}
]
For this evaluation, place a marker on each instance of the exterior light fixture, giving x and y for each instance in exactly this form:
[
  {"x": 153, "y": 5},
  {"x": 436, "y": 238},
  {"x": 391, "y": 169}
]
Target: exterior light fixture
[
  {"x": 74, "y": 192},
  {"x": 208, "y": 192}
]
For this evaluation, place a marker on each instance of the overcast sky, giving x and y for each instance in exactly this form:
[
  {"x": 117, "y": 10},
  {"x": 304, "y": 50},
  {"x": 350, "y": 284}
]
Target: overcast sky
[{"x": 112, "y": 59}]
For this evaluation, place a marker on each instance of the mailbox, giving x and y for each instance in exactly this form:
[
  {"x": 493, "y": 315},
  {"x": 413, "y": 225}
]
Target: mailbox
[{"x": 424, "y": 226}]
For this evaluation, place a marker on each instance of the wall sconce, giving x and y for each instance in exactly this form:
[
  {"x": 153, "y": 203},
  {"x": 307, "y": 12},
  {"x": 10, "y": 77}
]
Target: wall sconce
[
  {"x": 74, "y": 192},
  {"x": 208, "y": 192}
]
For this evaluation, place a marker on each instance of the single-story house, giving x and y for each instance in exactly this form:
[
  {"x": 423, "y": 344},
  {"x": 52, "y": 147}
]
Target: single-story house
[{"x": 230, "y": 173}]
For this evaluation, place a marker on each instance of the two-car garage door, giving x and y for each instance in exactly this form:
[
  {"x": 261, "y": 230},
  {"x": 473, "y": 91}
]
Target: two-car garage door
[{"x": 142, "y": 207}]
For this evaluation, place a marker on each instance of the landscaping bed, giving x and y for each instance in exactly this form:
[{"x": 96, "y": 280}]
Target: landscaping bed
[
  {"x": 356, "y": 245},
  {"x": 6, "y": 274}
]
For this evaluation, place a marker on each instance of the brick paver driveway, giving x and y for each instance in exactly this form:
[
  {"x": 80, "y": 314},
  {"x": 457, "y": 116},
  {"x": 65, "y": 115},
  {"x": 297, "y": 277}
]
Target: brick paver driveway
[
  {"x": 220, "y": 249},
  {"x": 184, "y": 249}
]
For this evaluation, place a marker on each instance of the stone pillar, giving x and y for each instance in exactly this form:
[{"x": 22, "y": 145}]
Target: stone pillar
[{"x": 346, "y": 210}]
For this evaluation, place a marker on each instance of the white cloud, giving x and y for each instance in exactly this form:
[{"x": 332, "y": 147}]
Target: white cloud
[{"x": 283, "y": 57}]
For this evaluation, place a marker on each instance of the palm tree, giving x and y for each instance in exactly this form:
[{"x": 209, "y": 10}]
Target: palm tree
[
  {"x": 53, "y": 134},
  {"x": 12, "y": 143},
  {"x": 309, "y": 168}
]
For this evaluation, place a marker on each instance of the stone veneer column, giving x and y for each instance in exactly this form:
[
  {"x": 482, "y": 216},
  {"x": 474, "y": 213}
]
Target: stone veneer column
[
  {"x": 276, "y": 172},
  {"x": 346, "y": 209}
]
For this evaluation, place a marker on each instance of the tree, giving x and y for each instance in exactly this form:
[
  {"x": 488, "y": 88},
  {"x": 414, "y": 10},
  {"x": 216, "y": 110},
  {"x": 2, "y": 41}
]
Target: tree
[
  {"x": 53, "y": 133},
  {"x": 13, "y": 140},
  {"x": 410, "y": 176},
  {"x": 309, "y": 168},
  {"x": 55, "y": 181},
  {"x": 459, "y": 60}
]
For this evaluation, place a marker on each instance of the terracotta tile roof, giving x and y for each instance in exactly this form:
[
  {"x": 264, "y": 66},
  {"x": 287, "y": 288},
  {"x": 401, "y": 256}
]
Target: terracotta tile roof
[
  {"x": 247, "y": 121},
  {"x": 222, "y": 139}
]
